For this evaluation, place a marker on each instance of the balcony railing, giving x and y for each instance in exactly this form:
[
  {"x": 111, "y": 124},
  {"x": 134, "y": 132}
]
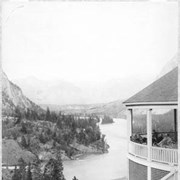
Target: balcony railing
[
  {"x": 162, "y": 155},
  {"x": 139, "y": 150}
]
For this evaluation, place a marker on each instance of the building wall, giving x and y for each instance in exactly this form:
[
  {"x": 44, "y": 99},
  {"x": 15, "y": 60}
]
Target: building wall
[
  {"x": 140, "y": 172},
  {"x": 137, "y": 171}
]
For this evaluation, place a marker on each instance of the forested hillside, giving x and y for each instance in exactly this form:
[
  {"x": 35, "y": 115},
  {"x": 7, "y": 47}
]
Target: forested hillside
[{"x": 35, "y": 141}]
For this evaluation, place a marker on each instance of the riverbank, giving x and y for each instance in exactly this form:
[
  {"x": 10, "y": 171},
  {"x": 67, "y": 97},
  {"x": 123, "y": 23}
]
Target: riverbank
[
  {"x": 104, "y": 166},
  {"x": 82, "y": 151}
]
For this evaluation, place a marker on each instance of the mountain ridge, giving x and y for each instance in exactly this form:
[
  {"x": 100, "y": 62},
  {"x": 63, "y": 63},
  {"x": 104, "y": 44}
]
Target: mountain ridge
[
  {"x": 171, "y": 64},
  {"x": 13, "y": 97},
  {"x": 114, "y": 109},
  {"x": 64, "y": 93}
]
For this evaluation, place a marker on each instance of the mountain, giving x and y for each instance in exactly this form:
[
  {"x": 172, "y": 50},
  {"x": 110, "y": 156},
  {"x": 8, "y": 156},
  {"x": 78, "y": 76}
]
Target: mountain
[
  {"x": 85, "y": 97},
  {"x": 61, "y": 92},
  {"x": 113, "y": 109},
  {"x": 171, "y": 64},
  {"x": 102, "y": 98},
  {"x": 50, "y": 92},
  {"x": 13, "y": 97},
  {"x": 69, "y": 108}
]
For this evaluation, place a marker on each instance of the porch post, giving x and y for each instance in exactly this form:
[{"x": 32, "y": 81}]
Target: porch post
[
  {"x": 175, "y": 124},
  {"x": 178, "y": 120},
  {"x": 127, "y": 118},
  {"x": 129, "y": 133},
  {"x": 131, "y": 122},
  {"x": 178, "y": 89},
  {"x": 149, "y": 139}
]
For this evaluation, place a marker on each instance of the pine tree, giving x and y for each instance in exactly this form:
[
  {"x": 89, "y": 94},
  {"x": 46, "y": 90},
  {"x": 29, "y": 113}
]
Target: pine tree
[
  {"x": 36, "y": 171},
  {"x": 58, "y": 170},
  {"x": 23, "y": 128},
  {"x": 54, "y": 169},
  {"x": 74, "y": 178},
  {"x": 23, "y": 142},
  {"x": 28, "y": 143},
  {"x": 48, "y": 114},
  {"x": 18, "y": 112},
  {"x": 22, "y": 169},
  {"x": 15, "y": 175},
  {"x": 27, "y": 114},
  {"x": 29, "y": 174}
]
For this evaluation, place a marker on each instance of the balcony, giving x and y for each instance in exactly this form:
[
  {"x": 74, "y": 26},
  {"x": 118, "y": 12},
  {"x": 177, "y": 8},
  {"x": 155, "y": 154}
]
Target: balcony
[
  {"x": 138, "y": 150},
  {"x": 158, "y": 154}
]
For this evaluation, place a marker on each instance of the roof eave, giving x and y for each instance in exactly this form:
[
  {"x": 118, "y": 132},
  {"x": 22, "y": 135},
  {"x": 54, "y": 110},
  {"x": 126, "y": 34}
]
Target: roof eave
[{"x": 150, "y": 103}]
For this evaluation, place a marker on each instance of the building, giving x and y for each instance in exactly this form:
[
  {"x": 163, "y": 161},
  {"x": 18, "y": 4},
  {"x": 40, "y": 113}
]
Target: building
[{"x": 153, "y": 130}]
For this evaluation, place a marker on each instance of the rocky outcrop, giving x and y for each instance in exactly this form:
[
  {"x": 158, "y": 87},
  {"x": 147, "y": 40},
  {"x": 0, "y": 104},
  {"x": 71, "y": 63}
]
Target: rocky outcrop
[
  {"x": 13, "y": 97},
  {"x": 96, "y": 148}
]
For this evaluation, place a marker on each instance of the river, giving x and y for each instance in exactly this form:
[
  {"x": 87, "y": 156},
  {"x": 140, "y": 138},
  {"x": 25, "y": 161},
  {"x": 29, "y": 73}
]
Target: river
[{"x": 109, "y": 166}]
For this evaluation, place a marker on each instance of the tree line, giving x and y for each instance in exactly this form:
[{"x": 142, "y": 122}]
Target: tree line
[{"x": 59, "y": 128}]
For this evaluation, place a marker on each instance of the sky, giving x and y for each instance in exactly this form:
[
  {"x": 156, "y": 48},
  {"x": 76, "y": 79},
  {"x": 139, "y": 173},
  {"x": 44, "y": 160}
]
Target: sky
[{"x": 88, "y": 41}]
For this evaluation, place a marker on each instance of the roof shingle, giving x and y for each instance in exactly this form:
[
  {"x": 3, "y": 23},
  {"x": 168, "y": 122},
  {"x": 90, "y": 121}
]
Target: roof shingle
[{"x": 165, "y": 89}]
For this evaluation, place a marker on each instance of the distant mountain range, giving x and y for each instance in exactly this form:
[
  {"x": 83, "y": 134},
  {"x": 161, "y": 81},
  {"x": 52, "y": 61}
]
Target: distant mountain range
[
  {"x": 60, "y": 92},
  {"x": 114, "y": 109},
  {"x": 103, "y": 98},
  {"x": 87, "y": 97},
  {"x": 169, "y": 66},
  {"x": 12, "y": 98}
]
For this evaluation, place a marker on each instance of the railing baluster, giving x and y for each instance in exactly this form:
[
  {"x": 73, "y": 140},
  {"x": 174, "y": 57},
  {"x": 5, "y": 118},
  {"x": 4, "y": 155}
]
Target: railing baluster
[{"x": 164, "y": 155}]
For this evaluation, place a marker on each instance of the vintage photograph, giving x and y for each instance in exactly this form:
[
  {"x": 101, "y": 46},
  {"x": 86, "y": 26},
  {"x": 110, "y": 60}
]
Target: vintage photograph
[{"x": 90, "y": 90}]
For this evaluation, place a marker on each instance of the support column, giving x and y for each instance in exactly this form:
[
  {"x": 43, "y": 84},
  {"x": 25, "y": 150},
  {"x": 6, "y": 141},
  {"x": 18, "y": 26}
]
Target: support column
[
  {"x": 175, "y": 124},
  {"x": 178, "y": 120},
  {"x": 149, "y": 139},
  {"x": 129, "y": 133},
  {"x": 178, "y": 56},
  {"x": 129, "y": 123}
]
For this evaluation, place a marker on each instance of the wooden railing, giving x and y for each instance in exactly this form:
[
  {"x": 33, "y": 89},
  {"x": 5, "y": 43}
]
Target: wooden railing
[
  {"x": 139, "y": 150},
  {"x": 164, "y": 155}
]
